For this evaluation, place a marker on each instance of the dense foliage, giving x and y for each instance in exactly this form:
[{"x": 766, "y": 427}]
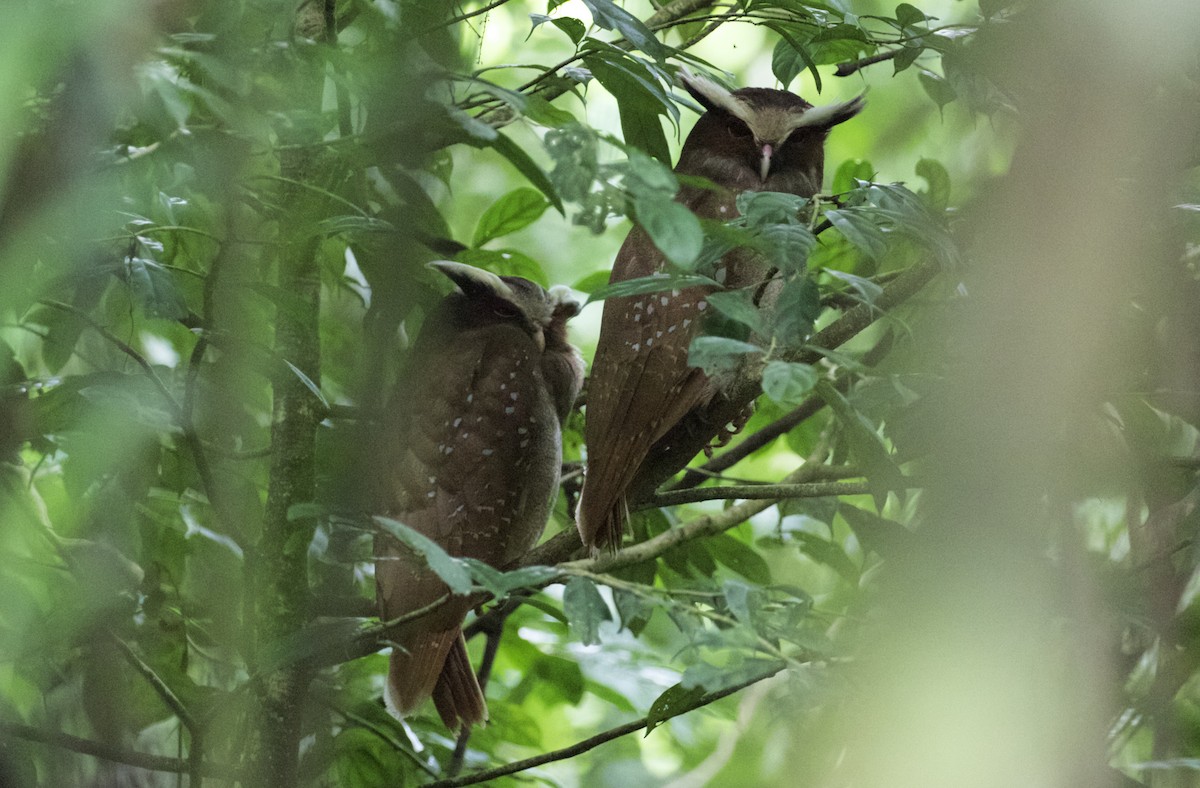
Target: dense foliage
[{"x": 954, "y": 545}]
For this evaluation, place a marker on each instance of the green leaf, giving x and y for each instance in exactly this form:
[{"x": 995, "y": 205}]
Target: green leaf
[
  {"x": 640, "y": 99},
  {"x": 649, "y": 178},
  {"x": 759, "y": 209},
  {"x": 905, "y": 58},
  {"x": 866, "y": 446},
  {"x": 593, "y": 282},
  {"x": 574, "y": 28},
  {"x": 935, "y": 174},
  {"x": 501, "y": 584},
  {"x": 860, "y": 229},
  {"x": 849, "y": 173},
  {"x": 632, "y": 609},
  {"x": 558, "y": 677},
  {"x": 908, "y": 15},
  {"x": 454, "y": 572},
  {"x": 655, "y": 283},
  {"x": 796, "y": 309},
  {"x": 787, "y": 246},
  {"x": 713, "y": 354},
  {"x": 477, "y": 131},
  {"x": 673, "y": 702},
  {"x": 674, "y": 229},
  {"x": 732, "y": 552},
  {"x": 867, "y": 290},
  {"x": 937, "y": 88},
  {"x": 154, "y": 288},
  {"x": 610, "y": 16},
  {"x": 800, "y": 52},
  {"x": 887, "y": 538},
  {"x": 788, "y": 383},
  {"x": 714, "y": 679},
  {"x": 738, "y": 305},
  {"x": 585, "y": 609},
  {"x": 785, "y": 62},
  {"x": 514, "y": 211},
  {"x": 574, "y": 149},
  {"x": 541, "y": 111},
  {"x": 828, "y": 553}
]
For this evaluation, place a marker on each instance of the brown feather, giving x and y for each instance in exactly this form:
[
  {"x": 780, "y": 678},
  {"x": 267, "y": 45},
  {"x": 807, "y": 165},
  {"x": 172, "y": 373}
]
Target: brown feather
[
  {"x": 642, "y": 389},
  {"x": 471, "y": 460}
]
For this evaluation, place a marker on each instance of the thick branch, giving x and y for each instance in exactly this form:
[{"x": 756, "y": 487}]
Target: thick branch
[
  {"x": 279, "y": 562},
  {"x": 605, "y": 736}
]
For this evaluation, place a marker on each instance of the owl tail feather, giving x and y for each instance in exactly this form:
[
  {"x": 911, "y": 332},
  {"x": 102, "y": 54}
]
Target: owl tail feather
[
  {"x": 457, "y": 695},
  {"x": 414, "y": 670}
]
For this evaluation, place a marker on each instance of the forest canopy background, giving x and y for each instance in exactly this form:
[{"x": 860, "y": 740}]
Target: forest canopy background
[{"x": 214, "y": 224}]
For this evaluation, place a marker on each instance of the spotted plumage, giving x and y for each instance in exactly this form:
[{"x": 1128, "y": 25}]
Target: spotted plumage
[
  {"x": 648, "y": 412},
  {"x": 470, "y": 459}
]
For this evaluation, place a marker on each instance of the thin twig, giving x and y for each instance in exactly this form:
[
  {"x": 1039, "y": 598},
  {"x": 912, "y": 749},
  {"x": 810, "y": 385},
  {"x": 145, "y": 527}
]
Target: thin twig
[
  {"x": 107, "y": 752},
  {"x": 120, "y": 344},
  {"x": 853, "y": 66},
  {"x": 385, "y": 735},
  {"x": 707, "y": 525},
  {"x": 763, "y": 491},
  {"x": 196, "y": 747},
  {"x": 605, "y": 736}
]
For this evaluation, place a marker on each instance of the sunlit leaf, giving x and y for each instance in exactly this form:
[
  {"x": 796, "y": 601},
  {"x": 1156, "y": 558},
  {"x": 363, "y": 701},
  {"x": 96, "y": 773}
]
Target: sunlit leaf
[
  {"x": 516, "y": 210},
  {"x": 674, "y": 701}
]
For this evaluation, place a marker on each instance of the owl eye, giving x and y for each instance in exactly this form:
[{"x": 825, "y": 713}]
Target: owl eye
[
  {"x": 505, "y": 311},
  {"x": 740, "y": 131}
]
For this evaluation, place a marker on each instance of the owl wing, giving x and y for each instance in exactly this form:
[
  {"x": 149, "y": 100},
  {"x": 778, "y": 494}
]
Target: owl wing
[
  {"x": 457, "y": 472},
  {"x": 641, "y": 384}
]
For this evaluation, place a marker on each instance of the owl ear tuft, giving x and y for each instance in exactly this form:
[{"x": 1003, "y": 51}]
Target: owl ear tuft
[
  {"x": 473, "y": 282},
  {"x": 714, "y": 97},
  {"x": 563, "y": 301},
  {"x": 827, "y": 116}
]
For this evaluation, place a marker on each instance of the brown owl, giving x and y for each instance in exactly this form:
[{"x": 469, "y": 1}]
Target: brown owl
[
  {"x": 472, "y": 461},
  {"x": 644, "y": 401}
]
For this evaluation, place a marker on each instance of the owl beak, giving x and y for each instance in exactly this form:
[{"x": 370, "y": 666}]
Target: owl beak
[
  {"x": 473, "y": 281},
  {"x": 764, "y": 164}
]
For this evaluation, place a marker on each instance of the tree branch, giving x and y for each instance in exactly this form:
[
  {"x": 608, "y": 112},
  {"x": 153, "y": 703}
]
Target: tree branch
[
  {"x": 747, "y": 492},
  {"x": 707, "y": 525},
  {"x": 605, "y": 736},
  {"x": 671, "y": 12},
  {"x": 854, "y": 66},
  {"x": 781, "y": 426},
  {"x": 196, "y": 747},
  {"x": 107, "y": 752}
]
